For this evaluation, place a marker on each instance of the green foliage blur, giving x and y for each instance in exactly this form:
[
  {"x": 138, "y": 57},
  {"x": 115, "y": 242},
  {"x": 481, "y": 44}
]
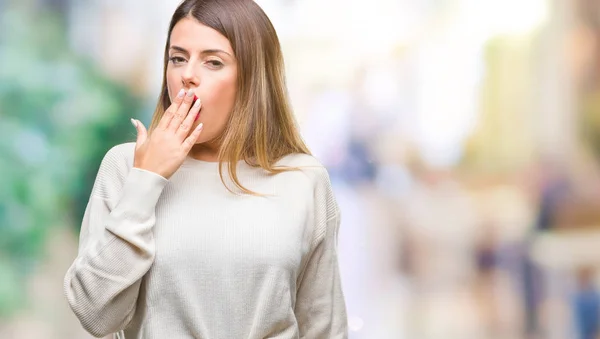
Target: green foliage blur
[{"x": 58, "y": 117}]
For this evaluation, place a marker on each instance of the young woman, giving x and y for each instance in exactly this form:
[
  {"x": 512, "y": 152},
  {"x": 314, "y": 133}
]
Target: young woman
[{"x": 217, "y": 223}]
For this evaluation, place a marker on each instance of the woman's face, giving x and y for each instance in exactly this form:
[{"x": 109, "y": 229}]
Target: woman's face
[{"x": 201, "y": 59}]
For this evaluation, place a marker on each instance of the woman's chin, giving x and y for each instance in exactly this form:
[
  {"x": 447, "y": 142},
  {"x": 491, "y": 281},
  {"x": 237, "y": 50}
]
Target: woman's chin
[
  {"x": 200, "y": 140},
  {"x": 203, "y": 139}
]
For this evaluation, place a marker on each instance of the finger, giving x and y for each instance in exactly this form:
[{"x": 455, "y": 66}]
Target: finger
[
  {"x": 172, "y": 110},
  {"x": 186, "y": 125},
  {"x": 182, "y": 111},
  {"x": 190, "y": 141},
  {"x": 142, "y": 133}
]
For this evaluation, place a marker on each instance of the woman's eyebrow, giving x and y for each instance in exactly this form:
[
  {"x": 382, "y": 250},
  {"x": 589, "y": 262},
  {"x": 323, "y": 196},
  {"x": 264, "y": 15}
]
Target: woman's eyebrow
[
  {"x": 206, "y": 51},
  {"x": 180, "y": 49}
]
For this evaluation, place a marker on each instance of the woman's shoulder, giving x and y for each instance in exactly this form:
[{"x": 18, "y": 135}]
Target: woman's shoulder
[
  {"x": 121, "y": 153},
  {"x": 317, "y": 177},
  {"x": 307, "y": 164},
  {"x": 116, "y": 164},
  {"x": 300, "y": 160}
]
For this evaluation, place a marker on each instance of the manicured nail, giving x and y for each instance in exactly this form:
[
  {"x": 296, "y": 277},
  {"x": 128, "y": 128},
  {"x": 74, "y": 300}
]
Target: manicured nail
[
  {"x": 134, "y": 123},
  {"x": 181, "y": 93},
  {"x": 200, "y": 126},
  {"x": 197, "y": 104},
  {"x": 190, "y": 93}
]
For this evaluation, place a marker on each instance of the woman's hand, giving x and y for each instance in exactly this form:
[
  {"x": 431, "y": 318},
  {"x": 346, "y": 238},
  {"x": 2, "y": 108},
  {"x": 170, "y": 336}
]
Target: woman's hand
[{"x": 164, "y": 151}]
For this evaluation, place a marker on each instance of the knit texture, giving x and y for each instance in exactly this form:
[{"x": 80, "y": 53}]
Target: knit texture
[{"x": 185, "y": 258}]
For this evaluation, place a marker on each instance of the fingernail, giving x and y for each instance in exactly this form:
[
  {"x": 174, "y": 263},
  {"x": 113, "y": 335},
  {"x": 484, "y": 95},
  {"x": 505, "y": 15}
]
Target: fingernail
[
  {"x": 134, "y": 123},
  {"x": 197, "y": 104},
  {"x": 190, "y": 93},
  {"x": 200, "y": 126},
  {"x": 181, "y": 93}
]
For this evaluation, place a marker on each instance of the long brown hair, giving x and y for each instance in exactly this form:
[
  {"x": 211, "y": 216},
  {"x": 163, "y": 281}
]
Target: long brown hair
[{"x": 261, "y": 127}]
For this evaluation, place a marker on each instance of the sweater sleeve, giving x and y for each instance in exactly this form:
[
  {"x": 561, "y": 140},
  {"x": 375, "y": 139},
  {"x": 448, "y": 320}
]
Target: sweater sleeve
[
  {"x": 116, "y": 245},
  {"x": 320, "y": 306}
]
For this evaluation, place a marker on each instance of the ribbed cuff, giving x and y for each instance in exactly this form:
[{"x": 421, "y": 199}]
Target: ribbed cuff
[{"x": 141, "y": 192}]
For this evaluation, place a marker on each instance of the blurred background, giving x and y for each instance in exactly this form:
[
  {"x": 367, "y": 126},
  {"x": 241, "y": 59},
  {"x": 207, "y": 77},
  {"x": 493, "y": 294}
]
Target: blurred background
[{"x": 462, "y": 138}]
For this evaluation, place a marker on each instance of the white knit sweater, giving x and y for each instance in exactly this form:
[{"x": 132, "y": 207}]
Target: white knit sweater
[{"x": 185, "y": 258}]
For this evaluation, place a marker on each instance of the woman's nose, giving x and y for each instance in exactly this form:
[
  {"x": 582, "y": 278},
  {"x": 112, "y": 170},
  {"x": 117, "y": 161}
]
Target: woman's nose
[{"x": 189, "y": 77}]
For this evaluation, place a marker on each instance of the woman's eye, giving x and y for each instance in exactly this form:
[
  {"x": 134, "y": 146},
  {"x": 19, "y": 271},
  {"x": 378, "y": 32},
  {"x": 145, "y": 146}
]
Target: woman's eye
[
  {"x": 177, "y": 60},
  {"x": 214, "y": 63}
]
